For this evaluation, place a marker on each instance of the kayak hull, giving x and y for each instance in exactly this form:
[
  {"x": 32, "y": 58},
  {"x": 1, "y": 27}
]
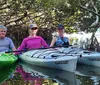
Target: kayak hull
[
  {"x": 84, "y": 56},
  {"x": 52, "y": 59},
  {"x": 91, "y": 58}
]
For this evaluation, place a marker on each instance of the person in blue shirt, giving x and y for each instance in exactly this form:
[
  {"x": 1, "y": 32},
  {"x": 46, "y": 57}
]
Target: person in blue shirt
[
  {"x": 6, "y": 43},
  {"x": 60, "y": 39}
]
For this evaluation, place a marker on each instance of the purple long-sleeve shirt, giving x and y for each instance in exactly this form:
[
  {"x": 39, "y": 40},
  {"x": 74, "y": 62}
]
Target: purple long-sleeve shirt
[{"x": 33, "y": 42}]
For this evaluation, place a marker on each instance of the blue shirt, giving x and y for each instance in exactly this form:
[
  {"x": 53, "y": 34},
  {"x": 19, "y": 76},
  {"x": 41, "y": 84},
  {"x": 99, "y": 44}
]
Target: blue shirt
[
  {"x": 62, "y": 41},
  {"x": 6, "y": 44}
]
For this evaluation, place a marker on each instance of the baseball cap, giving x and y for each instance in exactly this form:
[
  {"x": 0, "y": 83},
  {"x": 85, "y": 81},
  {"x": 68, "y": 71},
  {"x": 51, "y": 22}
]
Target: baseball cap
[
  {"x": 60, "y": 26},
  {"x": 33, "y": 26},
  {"x": 3, "y": 27}
]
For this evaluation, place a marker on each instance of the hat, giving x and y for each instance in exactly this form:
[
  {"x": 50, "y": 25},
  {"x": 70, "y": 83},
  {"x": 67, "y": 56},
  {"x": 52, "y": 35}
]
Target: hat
[
  {"x": 33, "y": 26},
  {"x": 3, "y": 27},
  {"x": 60, "y": 26}
]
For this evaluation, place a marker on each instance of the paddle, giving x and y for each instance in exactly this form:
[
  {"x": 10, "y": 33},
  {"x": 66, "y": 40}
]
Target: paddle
[{"x": 36, "y": 49}]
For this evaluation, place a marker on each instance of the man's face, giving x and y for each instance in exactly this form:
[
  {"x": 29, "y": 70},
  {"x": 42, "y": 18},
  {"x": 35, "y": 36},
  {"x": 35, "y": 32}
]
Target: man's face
[{"x": 2, "y": 33}]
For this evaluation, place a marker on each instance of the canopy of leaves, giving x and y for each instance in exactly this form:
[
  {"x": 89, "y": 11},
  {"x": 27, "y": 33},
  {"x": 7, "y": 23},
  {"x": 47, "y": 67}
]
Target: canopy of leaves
[{"x": 73, "y": 14}]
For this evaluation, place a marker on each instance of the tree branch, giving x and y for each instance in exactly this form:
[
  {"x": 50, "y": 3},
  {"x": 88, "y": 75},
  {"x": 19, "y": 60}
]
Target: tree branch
[
  {"x": 97, "y": 18},
  {"x": 16, "y": 20},
  {"x": 88, "y": 10}
]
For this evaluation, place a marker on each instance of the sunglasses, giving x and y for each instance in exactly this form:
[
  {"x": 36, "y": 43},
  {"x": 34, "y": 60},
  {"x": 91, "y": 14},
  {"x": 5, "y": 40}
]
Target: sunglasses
[{"x": 35, "y": 28}]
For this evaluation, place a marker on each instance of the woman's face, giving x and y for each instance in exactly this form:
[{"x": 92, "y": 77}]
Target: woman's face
[
  {"x": 60, "y": 31},
  {"x": 2, "y": 33},
  {"x": 33, "y": 31}
]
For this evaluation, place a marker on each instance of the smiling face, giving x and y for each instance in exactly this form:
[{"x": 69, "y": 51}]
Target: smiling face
[
  {"x": 2, "y": 33},
  {"x": 33, "y": 31},
  {"x": 60, "y": 31}
]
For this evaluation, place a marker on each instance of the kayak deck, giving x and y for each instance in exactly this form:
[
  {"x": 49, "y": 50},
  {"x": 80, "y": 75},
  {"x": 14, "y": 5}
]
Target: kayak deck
[{"x": 7, "y": 59}]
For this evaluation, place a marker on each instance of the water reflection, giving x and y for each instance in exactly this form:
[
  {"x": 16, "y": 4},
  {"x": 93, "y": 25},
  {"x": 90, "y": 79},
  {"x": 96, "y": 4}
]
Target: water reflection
[
  {"x": 26, "y": 74},
  {"x": 88, "y": 75},
  {"x": 87, "y": 70},
  {"x": 6, "y": 71},
  {"x": 30, "y": 72}
]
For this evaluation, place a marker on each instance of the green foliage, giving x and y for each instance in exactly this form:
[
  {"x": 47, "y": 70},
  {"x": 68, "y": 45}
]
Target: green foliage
[{"x": 18, "y": 14}]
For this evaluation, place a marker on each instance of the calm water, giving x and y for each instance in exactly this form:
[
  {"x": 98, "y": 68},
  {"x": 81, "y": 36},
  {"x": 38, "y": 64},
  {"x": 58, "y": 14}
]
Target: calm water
[{"x": 25, "y": 74}]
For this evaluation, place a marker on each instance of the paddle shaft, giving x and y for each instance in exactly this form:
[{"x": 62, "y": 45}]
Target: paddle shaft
[{"x": 37, "y": 49}]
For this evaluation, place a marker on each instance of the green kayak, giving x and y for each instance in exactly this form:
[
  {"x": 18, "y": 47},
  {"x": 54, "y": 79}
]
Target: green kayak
[{"x": 7, "y": 59}]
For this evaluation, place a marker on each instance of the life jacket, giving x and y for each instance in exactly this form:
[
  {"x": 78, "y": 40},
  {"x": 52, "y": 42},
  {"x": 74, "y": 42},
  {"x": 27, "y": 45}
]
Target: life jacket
[{"x": 62, "y": 41}]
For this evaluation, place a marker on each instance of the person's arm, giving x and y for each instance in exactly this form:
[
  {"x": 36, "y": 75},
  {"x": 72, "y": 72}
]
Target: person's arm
[
  {"x": 53, "y": 42},
  {"x": 43, "y": 42},
  {"x": 12, "y": 46},
  {"x": 22, "y": 46},
  {"x": 67, "y": 39}
]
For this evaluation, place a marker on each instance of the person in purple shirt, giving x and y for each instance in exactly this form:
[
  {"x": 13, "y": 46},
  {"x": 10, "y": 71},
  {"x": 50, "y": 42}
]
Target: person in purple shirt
[{"x": 33, "y": 41}]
